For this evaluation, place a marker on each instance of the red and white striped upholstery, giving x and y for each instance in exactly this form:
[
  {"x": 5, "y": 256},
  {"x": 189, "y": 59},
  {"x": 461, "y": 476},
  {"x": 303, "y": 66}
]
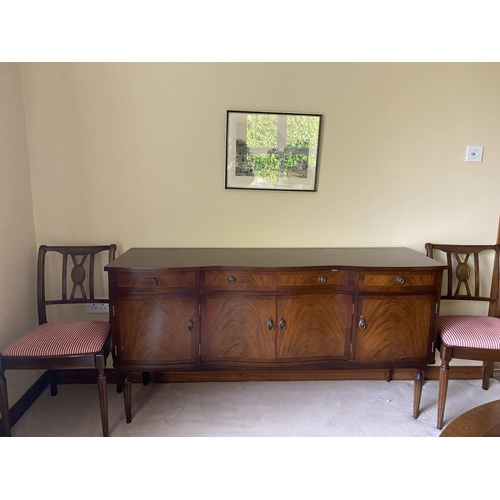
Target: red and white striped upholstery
[
  {"x": 482, "y": 332},
  {"x": 61, "y": 339}
]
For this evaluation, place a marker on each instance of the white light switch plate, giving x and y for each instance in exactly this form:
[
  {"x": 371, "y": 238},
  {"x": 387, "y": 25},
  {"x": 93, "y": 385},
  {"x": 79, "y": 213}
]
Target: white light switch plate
[{"x": 474, "y": 153}]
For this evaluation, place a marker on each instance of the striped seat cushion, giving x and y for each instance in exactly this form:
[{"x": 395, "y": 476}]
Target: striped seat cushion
[
  {"x": 482, "y": 332},
  {"x": 61, "y": 339}
]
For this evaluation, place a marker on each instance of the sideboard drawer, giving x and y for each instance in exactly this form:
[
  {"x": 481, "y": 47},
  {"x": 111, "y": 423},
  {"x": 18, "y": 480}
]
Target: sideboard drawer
[
  {"x": 323, "y": 277},
  {"x": 238, "y": 280},
  {"x": 394, "y": 281},
  {"x": 158, "y": 281}
]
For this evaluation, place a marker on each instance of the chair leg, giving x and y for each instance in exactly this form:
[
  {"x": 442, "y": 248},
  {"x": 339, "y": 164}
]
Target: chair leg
[
  {"x": 119, "y": 381},
  {"x": 417, "y": 392},
  {"x": 102, "y": 388},
  {"x": 444, "y": 373},
  {"x": 127, "y": 398},
  {"x": 52, "y": 382},
  {"x": 4, "y": 403},
  {"x": 487, "y": 373}
]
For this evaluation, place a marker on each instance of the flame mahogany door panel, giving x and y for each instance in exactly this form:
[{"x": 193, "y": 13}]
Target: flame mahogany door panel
[
  {"x": 395, "y": 328},
  {"x": 314, "y": 327},
  {"x": 238, "y": 328},
  {"x": 157, "y": 330}
]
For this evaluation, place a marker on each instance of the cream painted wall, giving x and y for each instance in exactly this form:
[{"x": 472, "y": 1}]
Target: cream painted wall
[
  {"x": 17, "y": 243},
  {"x": 134, "y": 153}
]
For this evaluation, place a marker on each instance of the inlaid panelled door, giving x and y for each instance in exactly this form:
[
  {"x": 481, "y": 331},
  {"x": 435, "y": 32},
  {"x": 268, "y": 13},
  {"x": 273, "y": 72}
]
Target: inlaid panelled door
[
  {"x": 394, "y": 328},
  {"x": 238, "y": 328},
  {"x": 314, "y": 327},
  {"x": 155, "y": 330}
]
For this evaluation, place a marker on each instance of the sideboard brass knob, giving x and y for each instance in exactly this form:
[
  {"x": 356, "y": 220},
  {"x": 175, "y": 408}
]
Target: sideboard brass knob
[
  {"x": 322, "y": 279},
  {"x": 400, "y": 280},
  {"x": 231, "y": 279},
  {"x": 190, "y": 324},
  {"x": 153, "y": 281}
]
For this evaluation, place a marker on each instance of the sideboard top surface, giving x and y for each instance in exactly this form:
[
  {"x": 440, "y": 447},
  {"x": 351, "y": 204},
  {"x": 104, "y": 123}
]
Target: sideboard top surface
[{"x": 272, "y": 258}]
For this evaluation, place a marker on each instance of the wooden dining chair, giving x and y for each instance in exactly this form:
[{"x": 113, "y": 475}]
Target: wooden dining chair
[
  {"x": 63, "y": 344},
  {"x": 461, "y": 336}
]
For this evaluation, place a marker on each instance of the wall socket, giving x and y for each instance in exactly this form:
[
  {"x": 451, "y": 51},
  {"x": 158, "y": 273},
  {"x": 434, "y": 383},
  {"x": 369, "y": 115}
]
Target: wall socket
[{"x": 97, "y": 308}]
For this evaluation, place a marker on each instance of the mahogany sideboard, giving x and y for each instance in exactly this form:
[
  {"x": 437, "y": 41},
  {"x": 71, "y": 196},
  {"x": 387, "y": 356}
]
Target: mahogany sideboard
[{"x": 278, "y": 309}]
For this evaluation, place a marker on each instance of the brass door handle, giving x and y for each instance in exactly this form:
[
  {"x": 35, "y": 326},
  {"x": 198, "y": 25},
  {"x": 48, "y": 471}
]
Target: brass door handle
[
  {"x": 282, "y": 323},
  {"x": 190, "y": 324},
  {"x": 362, "y": 323},
  {"x": 270, "y": 324}
]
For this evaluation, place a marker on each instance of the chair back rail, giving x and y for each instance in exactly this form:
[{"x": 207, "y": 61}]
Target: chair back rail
[
  {"x": 83, "y": 283},
  {"x": 463, "y": 262}
]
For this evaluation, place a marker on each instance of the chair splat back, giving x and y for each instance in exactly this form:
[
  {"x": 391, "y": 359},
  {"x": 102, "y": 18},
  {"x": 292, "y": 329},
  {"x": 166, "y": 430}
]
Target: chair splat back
[
  {"x": 81, "y": 260},
  {"x": 463, "y": 264}
]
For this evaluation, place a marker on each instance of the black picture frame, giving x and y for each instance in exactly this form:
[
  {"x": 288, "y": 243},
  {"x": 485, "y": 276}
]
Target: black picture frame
[{"x": 272, "y": 151}]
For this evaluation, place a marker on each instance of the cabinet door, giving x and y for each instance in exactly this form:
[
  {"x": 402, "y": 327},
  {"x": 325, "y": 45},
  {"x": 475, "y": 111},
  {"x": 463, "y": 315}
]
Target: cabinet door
[
  {"x": 236, "y": 328},
  {"x": 394, "y": 328},
  {"x": 314, "y": 327},
  {"x": 157, "y": 330}
]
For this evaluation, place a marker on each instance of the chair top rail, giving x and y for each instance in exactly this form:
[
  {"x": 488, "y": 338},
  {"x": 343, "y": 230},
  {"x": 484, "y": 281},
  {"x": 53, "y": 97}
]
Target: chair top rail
[
  {"x": 78, "y": 250},
  {"x": 460, "y": 248}
]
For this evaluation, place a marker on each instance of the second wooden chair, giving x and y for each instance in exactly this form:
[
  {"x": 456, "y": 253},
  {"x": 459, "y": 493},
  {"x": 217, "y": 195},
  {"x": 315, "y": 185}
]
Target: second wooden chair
[{"x": 461, "y": 336}]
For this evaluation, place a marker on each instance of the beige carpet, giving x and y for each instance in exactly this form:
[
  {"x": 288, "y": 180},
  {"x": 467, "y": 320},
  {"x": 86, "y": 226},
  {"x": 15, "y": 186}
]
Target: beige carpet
[{"x": 257, "y": 409}]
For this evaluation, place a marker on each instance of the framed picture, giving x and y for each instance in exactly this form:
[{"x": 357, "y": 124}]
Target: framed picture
[{"x": 273, "y": 151}]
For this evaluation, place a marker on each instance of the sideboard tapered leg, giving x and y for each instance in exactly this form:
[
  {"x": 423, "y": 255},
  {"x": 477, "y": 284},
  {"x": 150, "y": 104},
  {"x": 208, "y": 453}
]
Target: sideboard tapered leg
[
  {"x": 127, "y": 398},
  {"x": 417, "y": 392}
]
